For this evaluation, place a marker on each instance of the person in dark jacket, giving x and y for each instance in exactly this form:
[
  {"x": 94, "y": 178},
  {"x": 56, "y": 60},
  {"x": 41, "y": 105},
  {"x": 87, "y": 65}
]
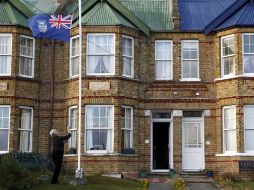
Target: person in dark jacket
[{"x": 58, "y": 151}]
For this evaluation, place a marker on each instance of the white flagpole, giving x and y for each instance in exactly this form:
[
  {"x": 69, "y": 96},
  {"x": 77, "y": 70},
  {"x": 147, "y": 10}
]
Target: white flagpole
[{"x": 80, "y": 90}]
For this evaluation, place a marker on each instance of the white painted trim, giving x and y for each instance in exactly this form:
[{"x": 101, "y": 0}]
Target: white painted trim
[
  {"x": 33, "y": 57},
  {"x": 8, "y": 138},
  {"x": 171, "y": 157},
  {"x": 233, "y": 77},
  {"x": 221, "y": 49},
  {"x": 9, "y": 73},
  {"x": 31, "y": 130},
  {"x": 198, "y": 69},
  {"x": 127, "y": 129},
  {"x": 195, "y": 120},
  {"x": 235, "y": 154},
  {"x": 132, "y": 58},
  {"x": 223, "y": 136},
  {"x": 114, "y": 54},
  {"x": 100, "y": 152},
  {"x": 70, "y": 63},
  {"x": 243, "y": 34},
  {"x": 172, "y": 61}
]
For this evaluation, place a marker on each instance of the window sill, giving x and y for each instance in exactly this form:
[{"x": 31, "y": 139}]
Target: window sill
[
  {"x": 108, "y": 154},
  {"x": 234, "y": 154},
  {"x": 190, "y": 80},
  {"x": 234, "y": 76}
]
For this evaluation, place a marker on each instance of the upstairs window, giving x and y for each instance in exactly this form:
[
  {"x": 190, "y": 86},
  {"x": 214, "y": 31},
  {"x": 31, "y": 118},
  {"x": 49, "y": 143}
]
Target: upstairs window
[
  {"x": 26, "y": 129},
  {"x": 100, "y": 54},
  {"x": 190, "y": 60},
  {"x": 163, "y": 56},
  {"x": 74, "y": 56},
  {"x": 248, "y": 54},
  {"x": 5, "y": 54},
  {"x": 26, "y": 57},
  {"x": 128, "y": 56},
  {"x": 227, "y": 56},
  {"x": 229, "y": 129}
]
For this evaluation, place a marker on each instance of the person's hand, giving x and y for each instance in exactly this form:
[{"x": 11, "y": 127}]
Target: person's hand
[{"x": 70, "y": 134}]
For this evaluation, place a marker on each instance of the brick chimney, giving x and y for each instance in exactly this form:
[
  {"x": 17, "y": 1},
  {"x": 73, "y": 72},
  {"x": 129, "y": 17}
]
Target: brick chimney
[{"x": 176, "y": 16}]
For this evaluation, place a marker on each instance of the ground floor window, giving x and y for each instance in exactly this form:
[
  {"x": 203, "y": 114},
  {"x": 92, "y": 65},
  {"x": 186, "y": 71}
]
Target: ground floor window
[
  {"x": 99, "y": 128},
  {"x": 72, "y": 127},
  {"x": 229, "y": 129},
  {"x": 4, "y": 128},
  {"x": 249, "y": 128},
  {"x": 25, "y": 129},
  {"x": 127, "y": 126}
]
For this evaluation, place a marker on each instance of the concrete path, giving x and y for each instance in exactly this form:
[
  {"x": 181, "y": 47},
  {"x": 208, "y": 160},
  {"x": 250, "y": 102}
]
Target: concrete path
[{"x": 191, "y": 186}]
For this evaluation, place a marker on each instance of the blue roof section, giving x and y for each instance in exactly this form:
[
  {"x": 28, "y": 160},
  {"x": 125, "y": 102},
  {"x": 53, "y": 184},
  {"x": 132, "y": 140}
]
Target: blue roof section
[
  {"x": 196, "y": 14},
  {"x": 243, "y": 17}
]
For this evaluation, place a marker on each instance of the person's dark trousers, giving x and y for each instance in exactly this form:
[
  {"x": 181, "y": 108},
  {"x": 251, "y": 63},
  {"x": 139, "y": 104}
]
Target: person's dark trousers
[{"x": 57, "y": 159}]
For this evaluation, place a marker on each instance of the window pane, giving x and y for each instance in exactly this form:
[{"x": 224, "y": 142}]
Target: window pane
[
  {"x": 163, "y": 50},
  {"x": 230, "y": 140},
  {"x": 127, "y": 66},
  {"x": 25, "y": 144},
  {"x": 248, "y": 61},
  {"x": 26, "y": 119},
  {"x": 127, "y": 136},
  {"x": 4, "y": 140},
  {"x": 99, "y": 139},
  {"x": 163, "y": 69},
  {"x": 73, "y": 140},
  {"x": 249, "y": 140},
  {"x": 75, "y": 66},
  {"x": 228, "y": 65},
  {"x": 100, "y": 64},
  {"x": 25, "y": 66},
  {"x": 229, "y": 118},
  {"x": 190, "y": 69},
  {"x": 248, "y": 117}
]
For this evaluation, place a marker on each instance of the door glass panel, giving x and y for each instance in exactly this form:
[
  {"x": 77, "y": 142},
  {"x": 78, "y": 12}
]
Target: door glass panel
[{"x": 192, "y": 135}]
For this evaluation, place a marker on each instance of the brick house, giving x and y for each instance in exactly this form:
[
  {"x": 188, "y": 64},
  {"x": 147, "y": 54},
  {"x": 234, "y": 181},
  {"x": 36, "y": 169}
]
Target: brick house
[{"x": 166, "y": 84}]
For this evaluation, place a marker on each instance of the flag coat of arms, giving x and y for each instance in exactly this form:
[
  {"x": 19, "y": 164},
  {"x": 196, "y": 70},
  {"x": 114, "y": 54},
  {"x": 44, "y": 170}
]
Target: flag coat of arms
[{"x": 51, "y": 26}]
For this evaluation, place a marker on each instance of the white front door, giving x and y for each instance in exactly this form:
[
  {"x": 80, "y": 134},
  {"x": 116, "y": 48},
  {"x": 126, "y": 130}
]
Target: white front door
[{"x": 193, "y": 145}]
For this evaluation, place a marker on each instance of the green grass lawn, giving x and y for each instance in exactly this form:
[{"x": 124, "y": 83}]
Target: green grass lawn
[
  {"x": 241, "y": 186},
  {"x": 94, "y": 183}
]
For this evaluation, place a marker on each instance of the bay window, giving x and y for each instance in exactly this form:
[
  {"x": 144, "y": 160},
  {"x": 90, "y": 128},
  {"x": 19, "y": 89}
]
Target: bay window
[
  {"x": 229, "y": 129},
  {"x": 26, "y": 56},
  {"x": 127, "y": 126},
  {"x": 99, "y": 128},
  {"x": 128, "y": 56},
  {"x": 248, "y": 54},
  {"x": 163, "y": 56},
  {"x": 5, "y": 54},
  {"x": 249, "y": 128},
  {"x": 100, "y": 54},
  {"x": 73, "y": 126},
  {"x": 26, "y": 129},
  {"x": 190, "y": 60},
  {"x": 74, "y": 56},
  {"x": 4, "y": 128},
  {"x": 227, "y": 56}
]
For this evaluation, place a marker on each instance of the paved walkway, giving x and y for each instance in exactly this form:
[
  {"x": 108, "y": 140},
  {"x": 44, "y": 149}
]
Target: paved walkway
[{"x": 192, "y": 186}]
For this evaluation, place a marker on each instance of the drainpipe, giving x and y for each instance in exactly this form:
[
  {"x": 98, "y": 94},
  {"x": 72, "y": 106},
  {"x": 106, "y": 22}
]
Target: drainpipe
[{"x": 52, "y": 93}]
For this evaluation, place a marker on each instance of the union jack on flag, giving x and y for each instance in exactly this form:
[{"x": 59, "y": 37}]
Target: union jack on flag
[{"x": 60, "y": 21}]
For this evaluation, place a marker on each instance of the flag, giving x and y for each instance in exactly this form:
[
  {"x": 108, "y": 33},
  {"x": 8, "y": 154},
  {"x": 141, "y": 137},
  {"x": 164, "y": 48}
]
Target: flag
[{"x": 51, "y": 26}]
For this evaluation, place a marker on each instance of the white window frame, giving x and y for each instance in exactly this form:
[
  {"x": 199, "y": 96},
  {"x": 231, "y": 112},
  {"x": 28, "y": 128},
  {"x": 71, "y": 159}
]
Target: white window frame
[
  {"x": 182, "y": 60},
  {"x": 71, "y": 57},
  {"x": 223, "y": 129},
  {"x": 32, "y": 75},
  {"x": 114, "y": 55},
  {"x": 112, "y": 132},
  {"x": 232, "y": 55},
  {"x": 31, "y": 130},
  {"x": 8, "y": 73},
  {"x": 245, "y": 150},
  {"x": 171, "y": 72},
  {"x": 69, "y": 123},
  {"x": 131, "y": 57},
  {"x": 8, "y": 138},
  {"x": 128, "y": 129},
  {"x": 249, "y": 34}
]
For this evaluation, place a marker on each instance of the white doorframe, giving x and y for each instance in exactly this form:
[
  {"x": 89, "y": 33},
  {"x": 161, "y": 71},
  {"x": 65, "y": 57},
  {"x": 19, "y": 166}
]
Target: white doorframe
[
  {"x": 170, "y": 121},
  {"x": 201, "y": 120}
]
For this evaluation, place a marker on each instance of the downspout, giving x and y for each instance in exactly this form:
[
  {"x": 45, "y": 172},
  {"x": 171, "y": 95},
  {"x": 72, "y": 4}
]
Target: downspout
[{"x": 52, "y": 93}]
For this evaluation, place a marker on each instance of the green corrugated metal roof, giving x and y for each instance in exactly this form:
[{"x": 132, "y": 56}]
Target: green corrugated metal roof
[
  {"x": 11, "y": 15},
  {"x": 103, "y": 14},
  {"x": 41, "y": 6},
  {"x": 157, "y": 14}
]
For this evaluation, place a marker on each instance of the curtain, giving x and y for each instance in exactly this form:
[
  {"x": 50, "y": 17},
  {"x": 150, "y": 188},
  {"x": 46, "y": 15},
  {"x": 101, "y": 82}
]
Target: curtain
[
  {"x": 89, "y": 124},
  {"x": 25, "y": 133}
]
